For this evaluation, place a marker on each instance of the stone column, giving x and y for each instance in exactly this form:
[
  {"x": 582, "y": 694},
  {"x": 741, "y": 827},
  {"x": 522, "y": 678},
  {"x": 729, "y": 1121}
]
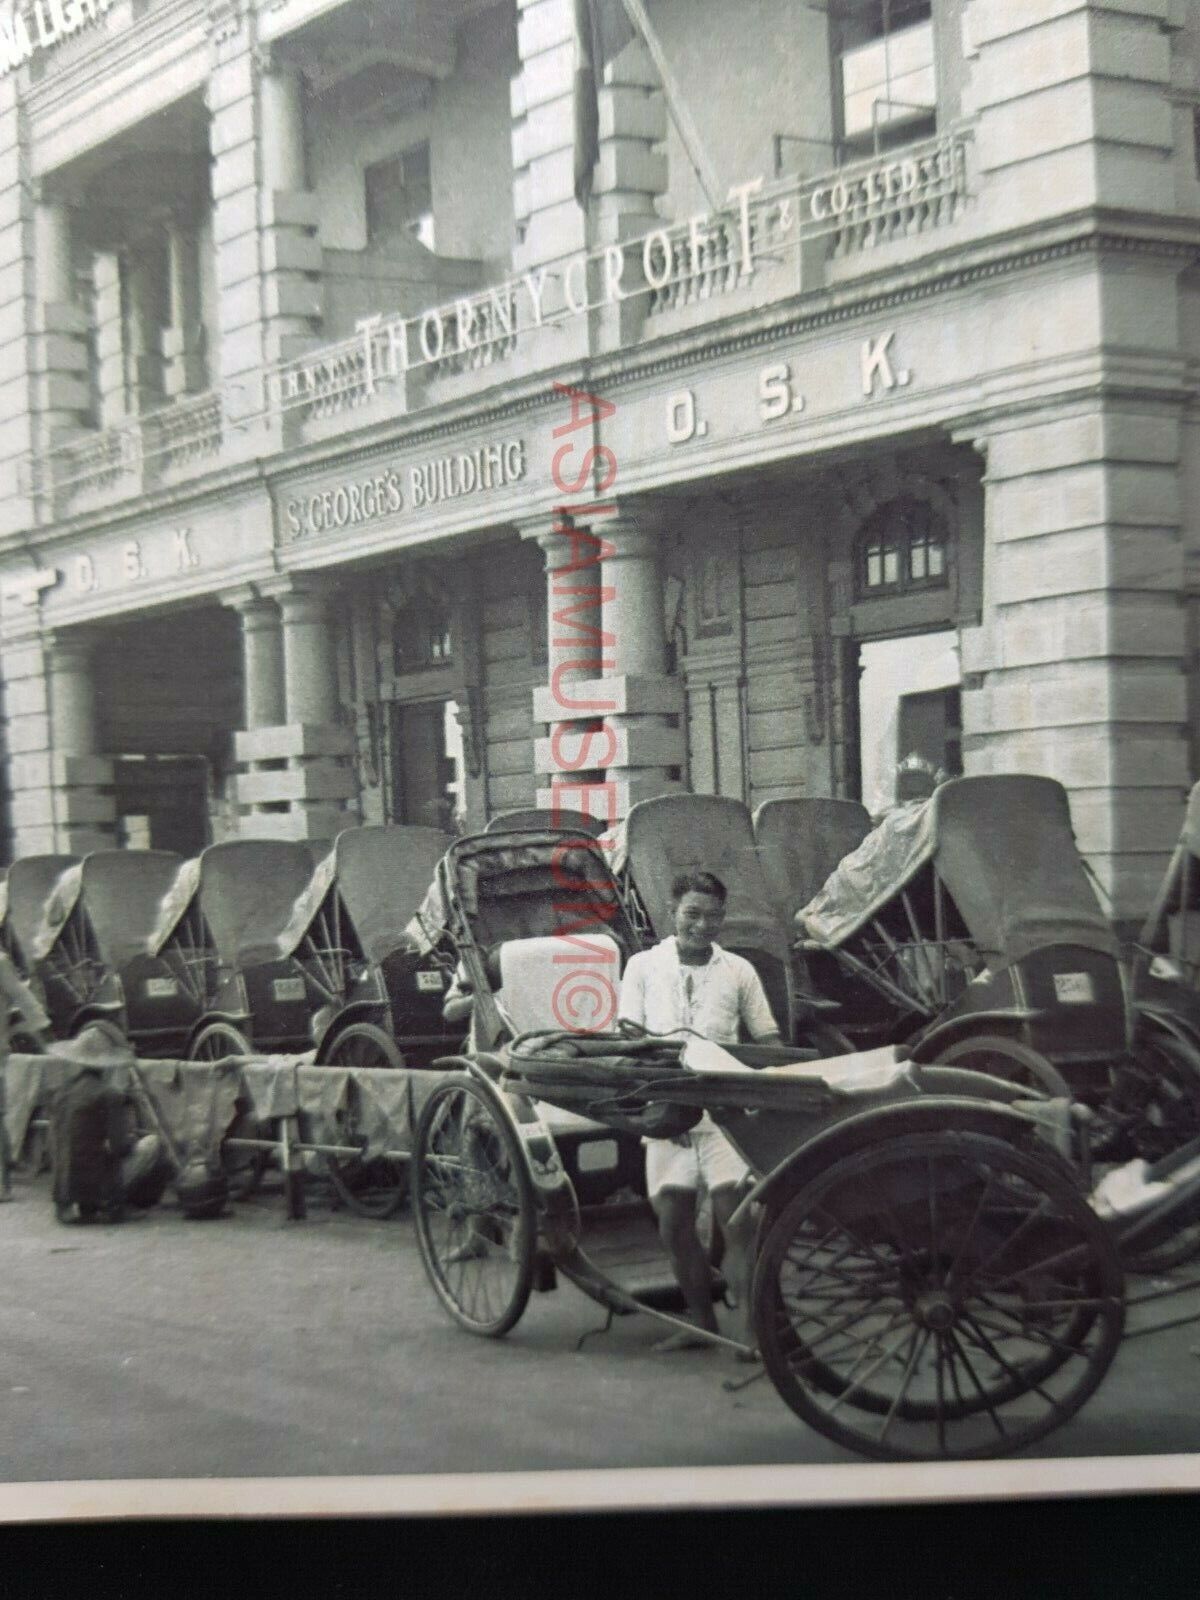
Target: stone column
[
  {"x": 573, "y": 656},
  {"x": 25, "y": 472},
  {"x": 1077, "y": 670},
  {"x": 184, "y": 366},
  {"x": 264, "y": 216},
  {"x": 609, "y": 701},
  {"x": 112, "y": 394},
  {"x": 299, "y": 780},
  {"x": 143, "y": 334},
  {"x": 80, "y": 800},
  {"x": 550, "y": 224},
  {"x": 650, "y": 739},
  {"x": 262, "y": 659},
  {"x": 309, "y": 661},
  {"x": 61, "y": 397}
]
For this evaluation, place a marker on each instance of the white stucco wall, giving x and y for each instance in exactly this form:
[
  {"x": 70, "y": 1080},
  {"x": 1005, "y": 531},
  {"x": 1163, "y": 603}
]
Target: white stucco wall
[
  {"x": 466, "y": 121},
  {"x": 746, "y": 72}
]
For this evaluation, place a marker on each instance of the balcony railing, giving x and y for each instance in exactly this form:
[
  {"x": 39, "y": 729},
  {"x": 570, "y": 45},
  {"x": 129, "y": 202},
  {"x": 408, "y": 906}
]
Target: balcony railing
[
  {"x": 842, "y": 213},
  {"x": 778, "y": 239},
  {"x": 140, "y": 450}
]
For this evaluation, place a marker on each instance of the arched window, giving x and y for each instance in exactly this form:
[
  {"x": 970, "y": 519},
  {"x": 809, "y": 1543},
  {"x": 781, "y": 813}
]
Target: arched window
[{"x": 903, "y": 546}]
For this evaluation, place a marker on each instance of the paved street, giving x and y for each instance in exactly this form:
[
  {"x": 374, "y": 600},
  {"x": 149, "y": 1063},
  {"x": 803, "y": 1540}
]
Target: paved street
[{"x": 253, "y": 1346}]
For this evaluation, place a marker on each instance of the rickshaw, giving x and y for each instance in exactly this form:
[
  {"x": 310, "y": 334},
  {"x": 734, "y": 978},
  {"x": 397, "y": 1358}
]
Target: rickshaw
[
  {"x": 662, "y": 837},
  {"x": 90, "y": 951},
  {"x": 504, "y": 899},
  {"x": 931, "y": 1280},
  {"x": 246, "y": 890},
  {"x": 966, "y": 928},
  {"x": 801, "y": 841},
  {"x": 375, "y": 992}
]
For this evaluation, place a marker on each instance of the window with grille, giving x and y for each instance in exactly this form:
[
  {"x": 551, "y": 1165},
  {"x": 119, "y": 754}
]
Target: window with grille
[
  {"x": 902, "y": 547},
  {"x": 400, "y": 198},
  {"x": 885, "y": 72}
]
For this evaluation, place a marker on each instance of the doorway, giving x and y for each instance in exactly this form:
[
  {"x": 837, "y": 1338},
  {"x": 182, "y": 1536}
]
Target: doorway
[
  {"x": 162, "y": 803},
  {"x": 428, "y": 770},
  {"x": 909, "y": 717}
]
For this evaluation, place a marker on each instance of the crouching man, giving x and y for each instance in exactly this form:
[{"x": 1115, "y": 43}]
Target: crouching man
[
  {"x": 689, "y": 983},
  {"x": 102, "y": 1166}
]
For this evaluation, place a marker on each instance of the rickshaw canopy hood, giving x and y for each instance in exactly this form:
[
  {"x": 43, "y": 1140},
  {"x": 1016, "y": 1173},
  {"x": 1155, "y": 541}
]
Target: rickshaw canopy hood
[
  {"x": 1004, "y": 849},
  {"x": 31, "y": 879},
  {"x": 527, "y": 885},
  {"x": 248, "y": 889},
  {"x": 122, "y": 892},
  {"x": 676, "y": 833},
  {"x": 801, "y": 841},
  {"x": 381, "y": 873}
]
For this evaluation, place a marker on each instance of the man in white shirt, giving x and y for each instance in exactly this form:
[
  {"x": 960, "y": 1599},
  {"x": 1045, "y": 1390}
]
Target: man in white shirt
[{"x": 687, "y": 982}]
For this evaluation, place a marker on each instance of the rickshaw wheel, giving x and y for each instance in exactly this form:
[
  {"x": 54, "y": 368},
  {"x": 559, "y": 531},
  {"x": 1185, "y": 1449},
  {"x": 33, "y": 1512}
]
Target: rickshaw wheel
[
  {"x": 217, "y": 1041},
  {"x": 937, "y": 1296},
  {"x": 1008, "y": 1059},
  {"x": 243, "y": 1169},
  {"x": 376, "y": 1188},
  {"x": 473, "y": 1207},
  {"x": 1170, "y": 1117}
]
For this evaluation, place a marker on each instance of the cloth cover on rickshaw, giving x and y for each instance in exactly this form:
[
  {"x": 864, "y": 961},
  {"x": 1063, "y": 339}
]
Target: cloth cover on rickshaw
[
  {"x": 59, "y": 904},
  {"x": 1003, "y": 848},
  {"x": 31, "y": 879},
  {"x": 122, "y": 892},
  {"x": 174, "y": 905},
  {"x": 381, "y": 873}
]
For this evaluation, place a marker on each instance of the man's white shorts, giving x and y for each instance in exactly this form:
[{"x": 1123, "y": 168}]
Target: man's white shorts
[{"x": 708, "y": 1156}]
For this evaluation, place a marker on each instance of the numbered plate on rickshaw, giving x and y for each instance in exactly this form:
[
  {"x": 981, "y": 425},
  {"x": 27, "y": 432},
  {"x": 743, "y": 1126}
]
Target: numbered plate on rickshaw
[
  {"x": 429, "y": 981},
  {"x": 1073, "y": 988},
  {"x": 287, "y": 989},
  {"x": 161, "y": 988}
]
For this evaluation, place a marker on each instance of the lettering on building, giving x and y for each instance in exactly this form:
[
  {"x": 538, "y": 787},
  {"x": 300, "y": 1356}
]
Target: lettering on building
[
  {"x": 41, "y": 24},
  {"x": 492, "y": 466},
  {"x": 878, "y": 371},
  {"x": 345, "y": 505},
  {"x": 392, "y": 490},
  {"x": 185, "y": 557}
]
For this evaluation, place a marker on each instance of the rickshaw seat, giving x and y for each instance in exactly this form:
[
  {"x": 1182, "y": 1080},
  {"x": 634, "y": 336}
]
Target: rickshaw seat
[{"x": 532, "y": 972}]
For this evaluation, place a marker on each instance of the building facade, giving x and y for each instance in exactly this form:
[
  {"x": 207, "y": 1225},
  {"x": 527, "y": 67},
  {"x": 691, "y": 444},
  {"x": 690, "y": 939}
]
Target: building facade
[{"x": 355, "y": 470}]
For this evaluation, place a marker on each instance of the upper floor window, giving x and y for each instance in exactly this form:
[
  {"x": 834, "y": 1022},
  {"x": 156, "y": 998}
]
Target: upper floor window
[
  {"x": 422, "y": 637},
  {"x": 400, "y": 197},
  {"x": 902, "y": 547},
  {"x": 885, "y": 70}
]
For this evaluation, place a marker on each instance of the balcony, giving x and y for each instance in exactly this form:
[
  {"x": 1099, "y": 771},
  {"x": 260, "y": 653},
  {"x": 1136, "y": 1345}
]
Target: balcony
[{"x": 790, "y": 237}]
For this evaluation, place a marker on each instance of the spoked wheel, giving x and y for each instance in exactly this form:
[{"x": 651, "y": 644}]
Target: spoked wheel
[
  {"x": 1009, "y": 1059},
  {"x": 473, "y": 1205},
  {"x": 243, "y": 1169},
  {"x": 217, "y": 1041},
  {"x": 940, "y": 1295},
  {"x": 374, "y": 1188},
  {"x": 1160, "y": 1090}
]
